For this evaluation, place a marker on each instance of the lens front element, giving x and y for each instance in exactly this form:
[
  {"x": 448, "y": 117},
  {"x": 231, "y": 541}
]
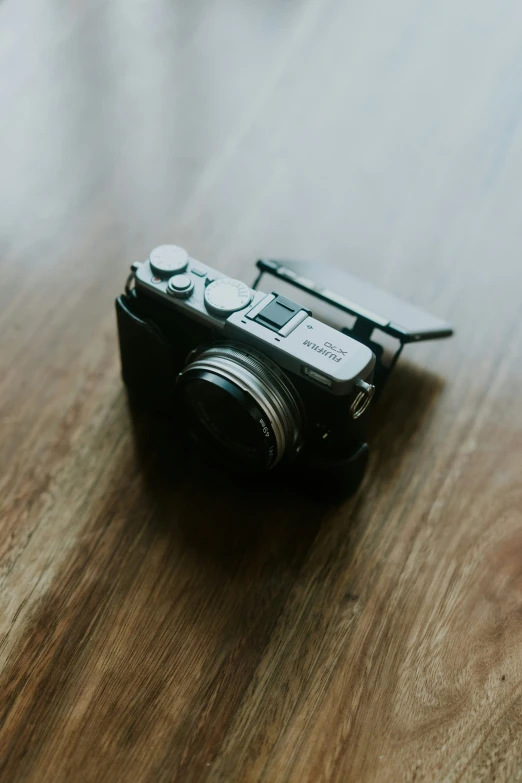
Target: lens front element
[{"x": 241, "y": 406}]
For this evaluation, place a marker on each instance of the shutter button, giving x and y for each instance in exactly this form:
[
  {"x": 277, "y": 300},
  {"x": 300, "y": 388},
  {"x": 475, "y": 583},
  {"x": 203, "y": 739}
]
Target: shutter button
[{"x": 180, "y": 286}]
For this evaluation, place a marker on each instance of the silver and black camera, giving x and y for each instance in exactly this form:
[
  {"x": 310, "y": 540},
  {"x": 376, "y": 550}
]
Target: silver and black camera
[{"x": 251, "y": 377}]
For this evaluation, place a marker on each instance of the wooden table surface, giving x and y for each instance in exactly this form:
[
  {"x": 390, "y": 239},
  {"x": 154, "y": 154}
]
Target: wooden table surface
[{"x": 190, "y": 630}]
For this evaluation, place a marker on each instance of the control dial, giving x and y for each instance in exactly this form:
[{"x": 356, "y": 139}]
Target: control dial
[{"x": 226, "y": 296}]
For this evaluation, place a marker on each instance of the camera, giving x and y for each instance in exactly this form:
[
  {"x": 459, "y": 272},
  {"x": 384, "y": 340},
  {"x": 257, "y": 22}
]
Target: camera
[{"x": 252, "y": 379}]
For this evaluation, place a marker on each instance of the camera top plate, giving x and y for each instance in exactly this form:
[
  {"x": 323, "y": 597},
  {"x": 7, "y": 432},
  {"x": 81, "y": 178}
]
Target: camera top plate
[{"x": 284, "y": 330}]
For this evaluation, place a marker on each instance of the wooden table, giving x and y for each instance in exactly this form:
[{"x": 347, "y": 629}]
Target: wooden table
[{"x": 188, "y": 630}]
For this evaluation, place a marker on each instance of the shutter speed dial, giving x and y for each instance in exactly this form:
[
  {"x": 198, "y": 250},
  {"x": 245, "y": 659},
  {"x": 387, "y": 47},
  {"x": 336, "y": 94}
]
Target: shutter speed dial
[{"x": 168, "y": 260}]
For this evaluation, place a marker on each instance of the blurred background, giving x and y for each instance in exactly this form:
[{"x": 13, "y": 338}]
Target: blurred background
[{"x": 369, "y": 135}]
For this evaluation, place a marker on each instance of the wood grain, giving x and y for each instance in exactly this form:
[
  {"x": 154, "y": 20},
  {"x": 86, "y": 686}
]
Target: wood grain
[{"x": 158, "y": 625}]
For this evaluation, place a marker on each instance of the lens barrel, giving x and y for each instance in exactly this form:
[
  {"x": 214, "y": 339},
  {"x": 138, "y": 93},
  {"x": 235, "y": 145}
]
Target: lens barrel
[{"x": 241, "y": 406}]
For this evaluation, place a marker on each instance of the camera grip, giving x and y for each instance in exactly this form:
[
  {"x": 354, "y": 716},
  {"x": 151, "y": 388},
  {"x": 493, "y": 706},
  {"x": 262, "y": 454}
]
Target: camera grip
[{"x": 147, "y": 361}]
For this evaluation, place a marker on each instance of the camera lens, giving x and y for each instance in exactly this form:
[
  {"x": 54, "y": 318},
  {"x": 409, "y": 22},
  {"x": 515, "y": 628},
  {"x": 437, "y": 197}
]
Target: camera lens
[
  {"x": 224, "y": 419},
  {"x": 240, "y": 406}
]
